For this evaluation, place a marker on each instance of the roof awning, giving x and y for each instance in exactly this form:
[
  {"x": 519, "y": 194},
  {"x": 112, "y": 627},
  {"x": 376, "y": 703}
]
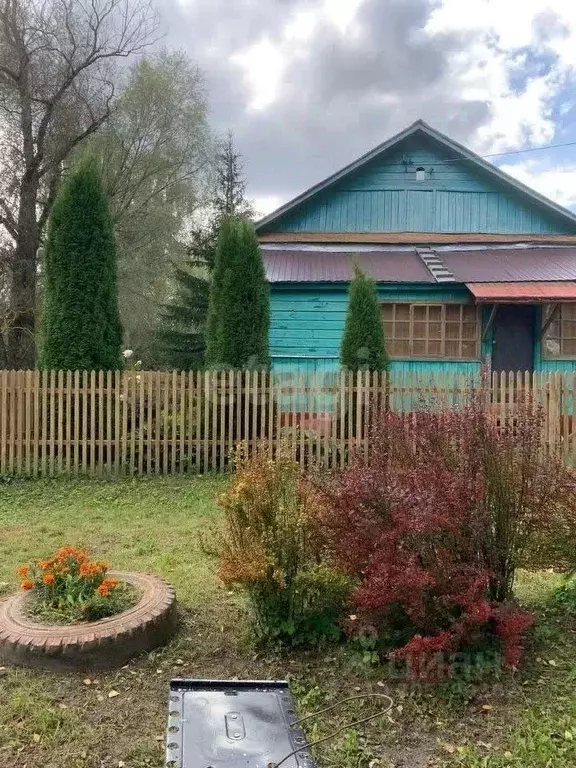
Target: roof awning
[{"x": 523, "y": 293}]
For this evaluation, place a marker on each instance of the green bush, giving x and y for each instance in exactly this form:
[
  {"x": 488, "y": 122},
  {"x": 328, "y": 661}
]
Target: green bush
[{"x": 269, "y": 547}]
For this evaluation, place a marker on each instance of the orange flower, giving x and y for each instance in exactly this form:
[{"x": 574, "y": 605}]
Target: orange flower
[
  {"x": 68, "y": 552},
  {"x": 49, "y": 579},
  {"x": 23, "y": 571},
  {"x": 87, "y": 569},
  {"x": 27, "y": 585},
  {"x": 110, "y": 583},
  {"x": 103, "y": 590}
]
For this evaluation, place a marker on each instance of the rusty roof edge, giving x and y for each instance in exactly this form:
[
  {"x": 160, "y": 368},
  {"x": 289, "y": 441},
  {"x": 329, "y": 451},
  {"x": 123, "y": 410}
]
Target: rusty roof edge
[
  {"x": 523, "y": 292},
  {"x": 412, "y": 238}
]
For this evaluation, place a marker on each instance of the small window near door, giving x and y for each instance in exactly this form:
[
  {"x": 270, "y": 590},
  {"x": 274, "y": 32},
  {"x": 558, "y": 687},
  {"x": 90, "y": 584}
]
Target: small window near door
[
  {"x": 559, "y": 340},
  {"x": 432, "y": 331},
  {"x": 420, "y": 174}
]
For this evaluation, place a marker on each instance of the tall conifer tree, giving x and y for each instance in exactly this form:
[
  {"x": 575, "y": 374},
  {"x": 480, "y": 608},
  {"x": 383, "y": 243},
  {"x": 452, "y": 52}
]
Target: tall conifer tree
[
  {"x": 181, "y": 337},
  {"x": 363, "y": 344},
  {"x": 81, "y": 327},
  {"x": 239, "y": 308}
]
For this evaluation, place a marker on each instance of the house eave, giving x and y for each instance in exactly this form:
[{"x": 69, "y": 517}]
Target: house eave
[{"x": 413, "y": 238}]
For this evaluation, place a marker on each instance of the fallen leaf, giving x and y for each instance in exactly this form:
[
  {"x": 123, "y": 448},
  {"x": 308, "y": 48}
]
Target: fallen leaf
[
  {"x": 487, "y": 707},
  {"x": 36, "y": 737},
  {"x": 121, "y": 763},
  {"x": 568, "y": 735},
  {"x": 450, "y": 748},
  {"x": 87, "y": 681},
  {"x": 100, "y": 698},
  {"x": 113, "y": 694},
  {"x": 552, "y": 663},
  {"x": 485, "y": 744}
]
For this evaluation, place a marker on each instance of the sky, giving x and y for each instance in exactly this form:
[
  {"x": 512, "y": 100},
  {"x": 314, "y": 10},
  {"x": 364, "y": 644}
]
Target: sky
[{"x": 307, "y": 86}]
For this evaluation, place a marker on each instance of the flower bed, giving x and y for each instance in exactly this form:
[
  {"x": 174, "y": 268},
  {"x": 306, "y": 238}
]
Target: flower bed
[
  {"x": 74, "y": 613},
  {"x": 70, "y": 588}
]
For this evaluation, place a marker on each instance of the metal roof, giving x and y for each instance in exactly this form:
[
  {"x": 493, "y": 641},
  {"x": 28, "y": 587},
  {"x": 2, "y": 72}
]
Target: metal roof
[
  {"x": 523, "y": 292},
  {"x": 386, "y": 266},
  {"x": 511, "y": 265}
]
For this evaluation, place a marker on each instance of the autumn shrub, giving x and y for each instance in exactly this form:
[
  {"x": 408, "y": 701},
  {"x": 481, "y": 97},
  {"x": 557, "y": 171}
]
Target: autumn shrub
[
  {"x": 268, "y": 545},
  {"x": 435, "y": 519},
  {"x": 70, "y": 588}
]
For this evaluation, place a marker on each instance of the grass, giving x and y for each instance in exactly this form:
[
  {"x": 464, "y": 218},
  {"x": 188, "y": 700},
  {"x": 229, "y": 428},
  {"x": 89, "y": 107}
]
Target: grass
[
  {"x": 55, "y": 611},
  {"x": 50, "y": 720}
]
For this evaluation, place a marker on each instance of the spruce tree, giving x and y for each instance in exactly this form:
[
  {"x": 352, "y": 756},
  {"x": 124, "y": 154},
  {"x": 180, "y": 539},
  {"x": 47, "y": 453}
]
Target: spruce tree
[
  {"x": 181, "y": 336},
  {"x": 363, "y": 345},
  {"x": 239, "y": 308},
  {"x": 180, "y": 341},
  {"x": 81, "y": 327}
]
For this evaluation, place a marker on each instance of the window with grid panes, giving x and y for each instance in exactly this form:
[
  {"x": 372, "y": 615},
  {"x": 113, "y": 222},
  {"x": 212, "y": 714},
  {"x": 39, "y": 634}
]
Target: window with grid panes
[
  {"x": 560, "y": 337},
  {"x": 432, "y": 330}
]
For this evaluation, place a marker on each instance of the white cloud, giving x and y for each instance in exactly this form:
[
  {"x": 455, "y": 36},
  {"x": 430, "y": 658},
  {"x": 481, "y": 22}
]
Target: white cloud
[
  {"x": 263, "y": 65},
  {"x": 309, "y": 84},
  {"x": 266, "y": 204},
  {"x": 559, "y": 183},
  {"x": 506, "y": 26},
  {"x": 266, "y": 62}
]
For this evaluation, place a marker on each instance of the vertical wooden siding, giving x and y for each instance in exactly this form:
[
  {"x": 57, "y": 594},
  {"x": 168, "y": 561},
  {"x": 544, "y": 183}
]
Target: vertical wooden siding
[
  {"x": 63, "y": 423},
  {"x": 384, "y": 196}
]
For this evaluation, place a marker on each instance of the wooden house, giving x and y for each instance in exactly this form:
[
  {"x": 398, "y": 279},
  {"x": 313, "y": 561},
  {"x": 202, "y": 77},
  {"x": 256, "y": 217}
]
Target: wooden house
[{"x": 472, "y": 266}]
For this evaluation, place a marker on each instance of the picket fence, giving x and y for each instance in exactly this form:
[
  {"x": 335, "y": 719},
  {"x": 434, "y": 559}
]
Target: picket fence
[{"x": 143, "y": 423}]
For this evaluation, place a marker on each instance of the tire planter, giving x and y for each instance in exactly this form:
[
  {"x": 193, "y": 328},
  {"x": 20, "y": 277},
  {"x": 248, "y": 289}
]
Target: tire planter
[{"x": 93, "y": 645}]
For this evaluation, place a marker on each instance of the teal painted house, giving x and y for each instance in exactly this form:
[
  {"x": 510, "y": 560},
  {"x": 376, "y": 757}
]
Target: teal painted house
[{"x": 473, "y": 268}]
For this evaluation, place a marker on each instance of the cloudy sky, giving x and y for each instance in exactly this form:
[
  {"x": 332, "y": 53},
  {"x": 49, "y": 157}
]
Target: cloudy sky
[{"x": 309, "y": 85}]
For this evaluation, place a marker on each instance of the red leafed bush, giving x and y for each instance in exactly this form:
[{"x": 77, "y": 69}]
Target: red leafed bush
[{"x": 437, "y": 517}]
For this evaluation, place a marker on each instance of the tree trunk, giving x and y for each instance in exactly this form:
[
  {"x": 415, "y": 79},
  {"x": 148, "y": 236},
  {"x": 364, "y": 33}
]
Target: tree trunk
[{"x": 21, "y": 339}]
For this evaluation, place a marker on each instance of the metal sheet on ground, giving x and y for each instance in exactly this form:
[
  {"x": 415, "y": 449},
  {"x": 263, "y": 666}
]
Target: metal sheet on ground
[{"x": 233, "y": 724}]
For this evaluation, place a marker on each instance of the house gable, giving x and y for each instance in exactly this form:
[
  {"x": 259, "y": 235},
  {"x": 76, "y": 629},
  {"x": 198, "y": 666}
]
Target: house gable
[{"x": 385, "y": 192}]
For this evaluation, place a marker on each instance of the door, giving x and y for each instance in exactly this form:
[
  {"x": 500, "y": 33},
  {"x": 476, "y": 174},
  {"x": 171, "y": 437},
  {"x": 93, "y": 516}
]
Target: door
[{"x": 513, "y": 338}]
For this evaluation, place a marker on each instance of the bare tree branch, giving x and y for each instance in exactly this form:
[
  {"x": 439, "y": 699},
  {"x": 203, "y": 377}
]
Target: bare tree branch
[{"x": 58, "y": 67}]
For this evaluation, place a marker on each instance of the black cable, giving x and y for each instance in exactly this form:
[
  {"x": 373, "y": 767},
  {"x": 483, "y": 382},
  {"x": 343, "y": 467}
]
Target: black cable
[{"x": 343, "y": 728}]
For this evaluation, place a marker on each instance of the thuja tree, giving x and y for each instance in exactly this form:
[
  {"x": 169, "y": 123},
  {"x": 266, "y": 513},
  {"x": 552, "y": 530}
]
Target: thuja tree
[
  {"x": 363, "y": 347},
  {"x": 239, "y": 307},
  {"x": 81, "y": 327}
]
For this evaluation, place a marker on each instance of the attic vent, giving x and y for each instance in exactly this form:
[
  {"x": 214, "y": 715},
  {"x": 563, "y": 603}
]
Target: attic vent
[{"x": 420, "y": 174}]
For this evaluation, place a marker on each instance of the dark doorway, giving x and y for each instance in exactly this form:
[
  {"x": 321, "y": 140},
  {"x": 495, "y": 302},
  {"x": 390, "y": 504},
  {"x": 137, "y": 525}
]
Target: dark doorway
[{"x": 513, "y": 338}]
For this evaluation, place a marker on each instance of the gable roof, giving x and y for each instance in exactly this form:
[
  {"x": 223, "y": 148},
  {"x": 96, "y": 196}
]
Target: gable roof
[{"x": 460, "y": 152}]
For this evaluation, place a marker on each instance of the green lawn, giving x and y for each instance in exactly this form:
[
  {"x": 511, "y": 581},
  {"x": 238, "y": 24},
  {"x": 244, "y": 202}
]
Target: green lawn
[{"x": 61, "y": 721}]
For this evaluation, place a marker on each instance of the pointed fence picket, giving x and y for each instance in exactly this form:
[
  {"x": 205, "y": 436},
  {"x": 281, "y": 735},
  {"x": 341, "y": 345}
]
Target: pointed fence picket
[{"x": 155, "y": 422}]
